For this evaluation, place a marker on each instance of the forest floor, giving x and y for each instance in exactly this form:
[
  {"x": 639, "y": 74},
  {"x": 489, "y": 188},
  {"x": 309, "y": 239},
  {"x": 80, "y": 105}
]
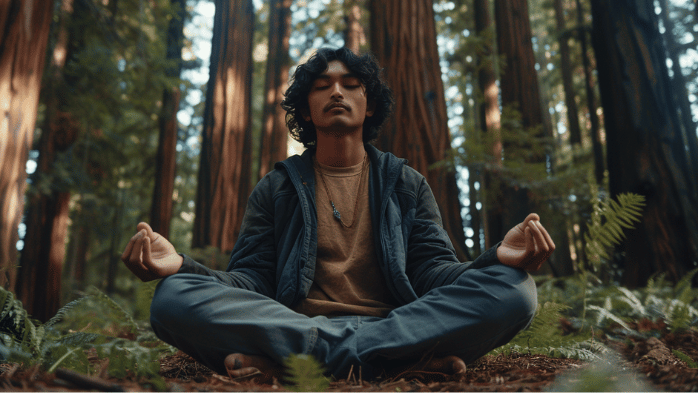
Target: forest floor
[{"x": 639, "y": 362}]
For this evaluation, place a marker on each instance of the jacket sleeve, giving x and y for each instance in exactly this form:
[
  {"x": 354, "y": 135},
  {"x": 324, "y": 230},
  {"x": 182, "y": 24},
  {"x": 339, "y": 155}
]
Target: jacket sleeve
[
  {"x": 431, "y": 258},
  {"x": 252, "y": 263}
]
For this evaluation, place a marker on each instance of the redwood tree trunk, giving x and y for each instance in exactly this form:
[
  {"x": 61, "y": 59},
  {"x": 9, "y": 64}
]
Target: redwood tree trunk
[
  {"x": 567, "y": 83},
  {"x": 224, "y": 173},
  {"x": 519, "y": 87},
  {"x": 490, "y": 122},
  {"x": 161, "y": 207},
  {"x": 274, "y": 142},
  {"x": 646, "y": 145},
  {"x": 599, "y": 166},
  {"x": 403, "y": 38},
  {"x": 41, "y": 264},
  {"x": 24, "y": 31},
  {"x": 354, "y": 36}
]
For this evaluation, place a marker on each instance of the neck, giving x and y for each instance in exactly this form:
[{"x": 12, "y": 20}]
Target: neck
[{"x": 340, "y": 150}]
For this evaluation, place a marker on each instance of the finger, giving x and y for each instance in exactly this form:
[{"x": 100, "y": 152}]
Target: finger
[
  {"x": 148, "y": 257},
  {"x": 530, "y": 246},
  {"x": 149, "y": 230},
  {"x": 531, "y": 217},
  {"x": 137, "y": 253},
  {"x": 127, "y": 250},
  {"x": 548, "y": 239},
  {"x": 541, "y": 243}
]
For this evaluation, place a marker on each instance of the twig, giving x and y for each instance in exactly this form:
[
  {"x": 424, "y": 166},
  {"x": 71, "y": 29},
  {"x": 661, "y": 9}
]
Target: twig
[{"x": 86, "y": 382}]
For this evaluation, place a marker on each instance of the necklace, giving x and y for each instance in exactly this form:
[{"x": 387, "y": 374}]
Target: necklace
[{"x": 335, "y": 212}]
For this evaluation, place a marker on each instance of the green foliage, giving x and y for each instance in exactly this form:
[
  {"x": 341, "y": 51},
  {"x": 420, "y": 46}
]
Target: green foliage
[
  {"x": 604, "y": 375},
  {"x": 607, "y": 222},
  {"x": 305, "y": 374},
  {"x": 92, "y": 323},
  {"x": 545, "y": 336},
  {"x": 685, "y": 358}
]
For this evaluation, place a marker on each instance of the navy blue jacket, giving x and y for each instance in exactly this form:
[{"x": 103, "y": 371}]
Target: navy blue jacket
[{"x": 276, "y": 250}]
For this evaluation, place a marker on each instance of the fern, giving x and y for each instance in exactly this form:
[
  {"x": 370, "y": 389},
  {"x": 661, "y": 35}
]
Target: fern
[
  {"x": 122, "y": 315},
  {"x": 305, "y": 374},
  {"x": 607, "y": 222},
  {"x": 24, "y": 341},
  {"x": 544, "y": 336}
]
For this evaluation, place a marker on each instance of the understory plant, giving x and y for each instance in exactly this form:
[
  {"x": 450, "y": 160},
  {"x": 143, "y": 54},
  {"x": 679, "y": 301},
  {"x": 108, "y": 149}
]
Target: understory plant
[
  {"x": 87, "y": 335},
  {"x": 570, "y": 298}
]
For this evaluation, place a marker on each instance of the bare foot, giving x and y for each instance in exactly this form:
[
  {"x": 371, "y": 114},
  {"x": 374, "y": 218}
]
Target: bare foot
[
  {"x": 261, "y": 367},
  {"x": 451, "y": 365},
  {"x": 447, "y": 366}
]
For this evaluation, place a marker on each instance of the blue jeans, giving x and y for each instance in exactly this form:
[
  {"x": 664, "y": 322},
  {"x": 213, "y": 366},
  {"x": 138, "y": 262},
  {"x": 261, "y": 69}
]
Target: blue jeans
[{"x": 481, "y": 310}]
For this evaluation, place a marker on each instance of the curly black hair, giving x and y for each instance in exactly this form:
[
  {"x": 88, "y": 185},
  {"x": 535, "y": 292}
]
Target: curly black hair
[{"x": 366, "y": 67}]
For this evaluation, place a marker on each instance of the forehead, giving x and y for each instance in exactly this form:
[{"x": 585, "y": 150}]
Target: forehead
[{"x": 336, "y": 68}]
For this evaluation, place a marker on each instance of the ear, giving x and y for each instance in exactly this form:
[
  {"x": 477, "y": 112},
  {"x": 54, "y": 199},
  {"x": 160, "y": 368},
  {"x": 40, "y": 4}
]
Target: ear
[
  {"x": 305, "y": 112},
  {"x": 370, "y": 108}
]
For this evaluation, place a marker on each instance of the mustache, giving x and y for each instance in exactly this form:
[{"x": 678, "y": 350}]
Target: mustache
[{"x": 336, "y": 104}]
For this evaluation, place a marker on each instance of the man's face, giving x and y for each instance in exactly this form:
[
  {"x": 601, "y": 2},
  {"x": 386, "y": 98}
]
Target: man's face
[{"x": 337, "y": 100}]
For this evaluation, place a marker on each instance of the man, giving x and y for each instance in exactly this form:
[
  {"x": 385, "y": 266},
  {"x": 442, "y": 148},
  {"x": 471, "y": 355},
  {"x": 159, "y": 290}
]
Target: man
[{"x": 341, "y": 254}]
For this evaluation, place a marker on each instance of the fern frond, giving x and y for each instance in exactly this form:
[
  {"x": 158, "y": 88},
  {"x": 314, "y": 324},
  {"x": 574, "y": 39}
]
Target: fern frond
[
  {"x": 114, "y": 306},
  {"x": 63, "y": 311},
  {"x": 608, "y": 220},
  {"x": 15, "y": 323},
  {"x": 305, "y": 374}
]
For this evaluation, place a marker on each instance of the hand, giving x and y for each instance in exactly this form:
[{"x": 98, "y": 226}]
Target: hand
[
  {"x": 150, "y": 256},
  {"x": 527, "y": 245}
]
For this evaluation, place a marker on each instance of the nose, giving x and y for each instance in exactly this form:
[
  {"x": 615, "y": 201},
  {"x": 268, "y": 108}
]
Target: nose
[{"x": 337, "y": 91}]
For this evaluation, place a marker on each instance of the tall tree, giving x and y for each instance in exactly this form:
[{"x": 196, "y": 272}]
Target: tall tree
[
  {"x": 39, "y": 277},
  {"x": 490, "y": 115},
  {"x": 161, "y": 207},
  {"x": 566, "y": 68},
  {"x": 24, "y": 31},
  {"x": 647, "y": 147},
  {"x": 595, "y": 123},
  {"x": 403, "y": 38},
  {"x": 224, "y": 172},
  {"x": 354, "y": 35},
  {"x": 273, "y": 146},
  {"x": 677, "y": 78},
  {"x": 519, "y": 89}
]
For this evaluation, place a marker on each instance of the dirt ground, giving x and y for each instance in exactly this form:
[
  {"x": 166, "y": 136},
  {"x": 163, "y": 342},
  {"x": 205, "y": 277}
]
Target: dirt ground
[{"x": 650, "y": 357}]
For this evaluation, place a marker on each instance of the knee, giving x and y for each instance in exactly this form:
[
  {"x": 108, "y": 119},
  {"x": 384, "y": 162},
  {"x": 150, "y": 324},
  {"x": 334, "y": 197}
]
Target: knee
[
  {"x": 518, "y": 298},
  {"x": 511, "y": 297},
  {"x": 170, "y": 304}
]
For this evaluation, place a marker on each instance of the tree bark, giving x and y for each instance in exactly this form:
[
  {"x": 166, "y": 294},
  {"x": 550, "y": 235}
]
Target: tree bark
[
  {"x": 597, "y": 145},
  {"x": 39, "y": 277},
  {"x": 161, "y": 207},
  {"x": 646, "y": 147},
  {"x": 567, "y": 83},
  {"x": 519, "y": 88},
  {"x": 224, "y": 173},
  {"x": 354, "y": 36},
  {"x": 403, "y": 38},
  {"x": 678, "y": 81},
  {"x": 490, "y": 116},
  {"x": 274, "y": 144},
  {"x": 24, "y": 31}
]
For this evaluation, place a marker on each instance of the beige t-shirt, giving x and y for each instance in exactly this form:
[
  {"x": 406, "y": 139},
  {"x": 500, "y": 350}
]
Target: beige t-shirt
[{"x": 348, "y": 280}]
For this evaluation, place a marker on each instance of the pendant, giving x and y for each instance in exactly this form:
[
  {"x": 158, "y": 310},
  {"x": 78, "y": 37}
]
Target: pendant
[{"x": 335, "y": 212}]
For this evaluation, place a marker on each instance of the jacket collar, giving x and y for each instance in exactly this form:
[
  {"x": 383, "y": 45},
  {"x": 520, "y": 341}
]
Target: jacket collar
[{"x": 385, "y": 167}]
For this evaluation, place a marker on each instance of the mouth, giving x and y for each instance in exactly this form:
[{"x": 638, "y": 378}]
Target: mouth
[{"x": 336, "y": 105}]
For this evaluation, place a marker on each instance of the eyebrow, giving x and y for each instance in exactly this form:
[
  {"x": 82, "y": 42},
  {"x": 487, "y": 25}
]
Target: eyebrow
[{"x": 347, "y": 75}]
